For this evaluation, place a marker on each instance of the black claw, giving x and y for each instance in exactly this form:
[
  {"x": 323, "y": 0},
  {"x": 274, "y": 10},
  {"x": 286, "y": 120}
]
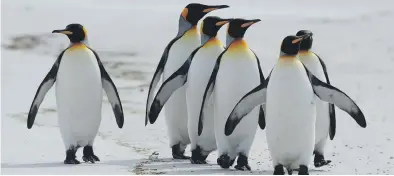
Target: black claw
[
  {"x": 197, "y": 161},
  {"x": 279, "y": 170},
  {"x": 88, "y": 155},
  {"x": 197, "y": 156},
  {"x": 224, "y": 161},
  {"x": 319, "y": 160},
  {"x": 177, "y": 153},
  {"x": 289, "y": 171},
  {"x": 242, "y": 163},
  {"x": 303, "y": 170},
  {"x": 70, "y": 156},
  {"x": 71, "y": 161}
]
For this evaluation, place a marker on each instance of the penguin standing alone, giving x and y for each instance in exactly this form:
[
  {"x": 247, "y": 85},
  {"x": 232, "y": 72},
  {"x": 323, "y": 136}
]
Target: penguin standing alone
[
  {"x": 325, "y": 112},
  {"x": 237, "y": 70},
  {"x": 289, "y": 93},
  {"x": 195, "y": 73},
  {"x": 80, "y": 77},
  {"x": 174, "y": 55}
]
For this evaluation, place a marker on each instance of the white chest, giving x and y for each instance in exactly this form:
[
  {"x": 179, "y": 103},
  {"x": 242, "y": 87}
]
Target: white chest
[
  {"x": 312, "y": 62},
  {"x": 180, "y": 51}
]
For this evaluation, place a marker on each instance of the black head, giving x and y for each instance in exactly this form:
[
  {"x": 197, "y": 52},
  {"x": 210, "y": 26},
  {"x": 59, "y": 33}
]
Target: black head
[
  {"x": 291, "y": 44},
  {"x": 306, "y": 44},
  {"x": 193, "y": 12},
  {"x": 238, "y": 26},
  {"x": 75, "y": 32},
  {"x": 211, "y": 25}
]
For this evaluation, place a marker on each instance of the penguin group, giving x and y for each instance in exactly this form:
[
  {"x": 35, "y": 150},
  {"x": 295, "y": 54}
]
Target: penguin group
[{"x": 214, "y": 95}]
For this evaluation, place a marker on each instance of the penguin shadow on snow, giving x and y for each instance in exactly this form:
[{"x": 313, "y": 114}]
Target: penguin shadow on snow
[
  {"x": 184, "y": 167},
  {"x": 127, "y": 163}
]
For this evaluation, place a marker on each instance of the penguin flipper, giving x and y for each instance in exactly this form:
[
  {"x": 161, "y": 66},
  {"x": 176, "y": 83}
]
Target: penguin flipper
[
  {"x": 111, "y": 91},
  {"x": 247, "y": 103},
  {"x": 173, "y": 83},
  {"x": 331, "y": 107},
  {"x": 42, "y": 90},
  {"x": 333, "y": 95},
  {"x": 261, "y": 112},
  {"x": 156, "y": 76},
  {"x": 208, "y": 92}
]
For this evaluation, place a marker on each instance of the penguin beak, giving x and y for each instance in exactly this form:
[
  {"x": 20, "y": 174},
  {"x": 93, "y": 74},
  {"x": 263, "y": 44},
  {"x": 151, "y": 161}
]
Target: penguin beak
[
  {"x": 223, "y": 22},
  {"x": 249, "y": 23},
  {"x": 63, "y": 31},
  {"x": 300, "y": 38},
  {"x": 212, "y": 8}
]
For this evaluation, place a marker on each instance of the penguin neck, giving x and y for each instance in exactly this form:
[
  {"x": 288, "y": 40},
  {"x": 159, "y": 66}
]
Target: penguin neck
[
  {"x": 304, "y": 52},
  {"x": 287, "y": 57},
  {"x": 238, "y": 45},
  {"x": 205, "y": 38},
  {"x": 211, "y": 42},
  {"x": 229, "y": 40},
  {"x": 83, "y": 42},
  {"x": 184, "y": 26}
]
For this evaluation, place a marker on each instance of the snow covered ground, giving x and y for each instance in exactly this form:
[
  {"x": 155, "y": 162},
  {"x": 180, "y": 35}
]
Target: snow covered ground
[{"x": 354, "y": 37}]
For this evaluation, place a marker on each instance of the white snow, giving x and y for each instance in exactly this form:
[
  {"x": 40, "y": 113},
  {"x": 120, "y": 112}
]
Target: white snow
[{"x": 354, "y": 37}]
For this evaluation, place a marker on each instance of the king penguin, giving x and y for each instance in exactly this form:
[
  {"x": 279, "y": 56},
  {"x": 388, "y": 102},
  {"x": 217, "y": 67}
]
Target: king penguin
[
  {"x": 289, "y": 93},
  {"x": 325, "y": 112},
  {"x": 195, "y": 73},
  {"x": 236, "y": 71},
  {"x": 174, "y": 55},
  {"x": 80, "y": 77}
]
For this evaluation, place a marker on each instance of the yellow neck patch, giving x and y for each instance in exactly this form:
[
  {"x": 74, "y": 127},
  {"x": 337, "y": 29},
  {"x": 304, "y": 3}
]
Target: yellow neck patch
[
  {"x": 287, "y": 58},
  {"x": 304, "y": 53},
  {"x": 192, "y": 32},
  {"x": 238, "y": 45},
  {"x": 78, "y": 46},
  {"x": 212, "y": 42}
]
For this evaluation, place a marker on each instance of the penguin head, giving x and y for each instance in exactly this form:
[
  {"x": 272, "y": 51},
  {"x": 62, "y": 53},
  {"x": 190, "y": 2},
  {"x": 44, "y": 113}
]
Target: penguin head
[
  {"x": 291, "y": 44},
  {"x": 193, "y": 12},
  {"x": 306, "y": 43},
  {"x": 238, "y": 26},
  {"x": 75, "y": 32},
  {"x": 211, "y": 25}
]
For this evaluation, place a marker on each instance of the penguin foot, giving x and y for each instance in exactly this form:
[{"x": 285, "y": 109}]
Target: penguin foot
[
  {"x": 319, "y": 160},
  {"x": 91, "y": 159},
  {"x": 177, "y": 153},
  {"x": 88, "y": 155},
  {"x": 70, "y": 156},
  {"x": 71, "y": 161},
  {"x": 303, "y": 170},
  {"x": 198, "y": 161},
  {"x": 279, "y": 170},
  {"x": 242, "y": 163},
  {"x": 197, "y": 156},
  {"x": 289, "y": 171},
  {"x": 224, "y": 161}
]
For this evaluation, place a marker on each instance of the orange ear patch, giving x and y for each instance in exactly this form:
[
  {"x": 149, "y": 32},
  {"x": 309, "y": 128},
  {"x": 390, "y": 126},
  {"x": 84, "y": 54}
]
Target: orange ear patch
[{"x": 184, "y": 13}]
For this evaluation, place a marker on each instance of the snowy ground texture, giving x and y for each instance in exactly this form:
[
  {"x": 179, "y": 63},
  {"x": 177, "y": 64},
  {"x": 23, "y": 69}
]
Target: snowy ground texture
[{"x": 354, "y": 37}]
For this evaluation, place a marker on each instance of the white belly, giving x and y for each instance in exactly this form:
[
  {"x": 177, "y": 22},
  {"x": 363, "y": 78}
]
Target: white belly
[
  {"x": 290, "y": 115},
  {"x": 175, "y": 108},
  {"x": 198, "y": 76},
  {"x": 236, "y": 77},
  {"x": 311, "y": 61},
  {"x": 79, "y": 97}
]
